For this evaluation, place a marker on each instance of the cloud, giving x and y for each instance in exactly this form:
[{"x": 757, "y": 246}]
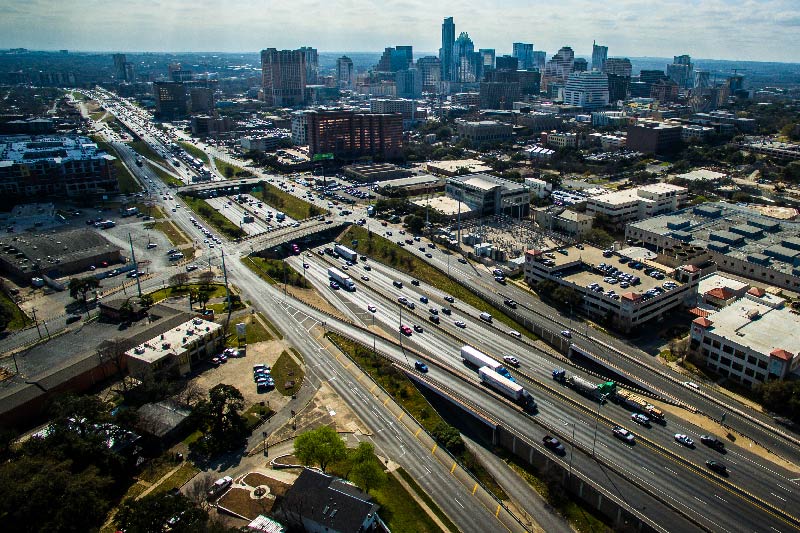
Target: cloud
[{"x": 729, "y": 29}]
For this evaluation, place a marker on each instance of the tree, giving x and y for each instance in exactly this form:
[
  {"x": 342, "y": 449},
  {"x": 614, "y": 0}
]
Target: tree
[
  {"x": 153, "y": 511},
  {"x": 206, "y": 277},
  {"x": 203, "y": 296},
  {"x": 321, "y": 446},
  {"x": 220, "y": 419},
  {"x": 366, "y": 470},
  {"x": 146, "y": 300},
  {"x": 449, "y": 437},
  {"x": 599, "y": 237},
  {"x": 82, "y": 286},
  {"x": 415, "y": 224},
  {"x": 179, "y": 279},
  {"x": 228, "y": 171}
]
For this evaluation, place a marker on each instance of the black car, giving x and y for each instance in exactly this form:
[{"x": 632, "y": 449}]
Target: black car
[
  {"x": 717, "y": 467},
  {"x": 554, "y": 444},
  {"x": 511, "y": 303},
  {"x": 712, "y": 442}
]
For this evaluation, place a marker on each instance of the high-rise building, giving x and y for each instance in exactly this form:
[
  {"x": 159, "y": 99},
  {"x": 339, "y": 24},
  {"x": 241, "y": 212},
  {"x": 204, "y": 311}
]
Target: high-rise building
[
  {"x": 617, "y": 87},
  {"x": 283, "y": 77},
  {"x": 588, "y": 90},
  {"x": 467, "y": 64},
  {"x": 446, "y": 51},
  {"x": 539, "y": 58},
  {"x": 560, "y": 66},
  {"x": 680, "y": 71},
  {"x": 408, "y": 83},
  {"x": 599, "y": 55},
  {"x": 430, "y": 70},
  {"x": 529, "y": 81},
  {"x": 498, "y": 94},
  {"x": 664, "y": 90},
  {"x": 394, "y": 59},
  {"x": 171, "y": 101},
  {"x": 345, "y": 76},
  {"x": 488, "y": 55},
  {"x": 348, "y": 134},
  {"x": 130, "y": 72},
  {"x": 580, "y": 65},
  {"x": 702, "y": 79},
  {"x": 119, "y": 66},
  {"x": 524, "y": 53},
  {"x": 507, "y": 63},
  {"x": 202, "y": 99},
  {"x": 620, "y": 66},
  {"x": 312, "y": 64}
]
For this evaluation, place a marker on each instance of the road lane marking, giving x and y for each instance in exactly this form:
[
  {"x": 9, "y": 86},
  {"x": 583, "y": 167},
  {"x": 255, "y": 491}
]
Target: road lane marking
[
  {"x": 720, "y": 498},
  {"x": 669, "y": 469},
  {"x": 452, "y": 469},
  {"x": 475, "y": 488},
  {"x": 386, "y": 401},
  {"x": 433, "y": 450},
  {"x": 459, "y": 503},
  {"x": 417, "y": 432},
  {"x": 401, "y": 415},
  {"x": 497, "y": 512}
]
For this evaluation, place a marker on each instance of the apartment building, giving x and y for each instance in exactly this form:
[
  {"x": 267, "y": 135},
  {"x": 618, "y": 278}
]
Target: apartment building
[
  {"x": 483, "y": 131},
  {"x": 348, "y": 134},
  {"x": 638, "y": 203}
]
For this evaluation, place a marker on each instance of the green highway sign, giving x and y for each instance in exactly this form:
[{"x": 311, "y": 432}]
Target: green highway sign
[{"x": 322, "y": 157}]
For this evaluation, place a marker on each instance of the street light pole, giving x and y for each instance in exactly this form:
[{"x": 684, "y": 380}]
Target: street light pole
[{"x": 597, "y": 419}]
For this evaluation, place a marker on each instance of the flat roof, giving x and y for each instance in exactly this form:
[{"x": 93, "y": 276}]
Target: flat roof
[
  {"x": 701, "y": 174},
  {"x": 444, "y": 204},
  {"x": 718, "y": 281},
  {"x": 55, "y": 248},
  {"x": 472, "y": 165},
  {"x": 423, "y": 179},
  {"x": 487, "y": 182},
  {"x": 773, "y": 329},
  {"x": 173, "y": 341},
  {"x": 56, "y": 148}
]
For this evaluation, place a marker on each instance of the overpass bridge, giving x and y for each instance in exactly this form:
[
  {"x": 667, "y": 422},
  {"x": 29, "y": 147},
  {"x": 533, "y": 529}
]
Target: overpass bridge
[
  {"x": 216, "y": 188},
  {"x": 311, "y": 230}
]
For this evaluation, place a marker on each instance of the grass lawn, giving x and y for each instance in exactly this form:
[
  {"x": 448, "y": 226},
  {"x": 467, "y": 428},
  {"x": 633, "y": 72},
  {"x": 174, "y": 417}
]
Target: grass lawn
[
  {"x": 428, "y": 501},
  {"x": 151, "y": 210},
  {"x": 127, "y": 183},
  {"x": 255, "y": 331},
  {"x": 387, "y": 252},
  {"x": 400, "y": 511},
  {"x": 162, "y": 294},
  {"x": 192, "y": 437},
  {"x": 256, "y": 414},
  {"x": 157, "y": 468},
  {"x": 286, "y": 369},
  {"x": 194, "y": 151},
  {"x": 166, "y": 178},
  {"x": 145, "y": 151},
  {"x": 231, "y": 171},
  {"x": 213, "y": 217},
  {"x": 178, "y": 478},
  {"x": 273, "y": 271},
  {"x": 175, "y": 236},
  {"x": 78, "y": 96},
  {"x": 16, "y": 318},
  {"x": 291, "y": 205}
]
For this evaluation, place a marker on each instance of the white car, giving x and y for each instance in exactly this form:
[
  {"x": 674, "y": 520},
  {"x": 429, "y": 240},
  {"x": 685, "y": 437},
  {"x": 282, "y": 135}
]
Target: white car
[
  {"x": 566, "y": 333},
  {"x": 684, "y": 439},
  {"x": 514, "y": 333}
]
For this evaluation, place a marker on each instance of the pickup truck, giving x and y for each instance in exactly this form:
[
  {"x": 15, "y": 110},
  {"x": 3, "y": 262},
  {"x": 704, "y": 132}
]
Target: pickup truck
[{"x": 554, "y": 444}]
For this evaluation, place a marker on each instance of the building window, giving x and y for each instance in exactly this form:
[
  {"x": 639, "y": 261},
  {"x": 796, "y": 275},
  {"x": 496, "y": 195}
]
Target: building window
[
  {"x": 716, "y": 344},
  {"x": 737, "y": 366},
  {"x": 749, "y": 372},
  {"x": 706, "y": 353},
  {"x": 738, "y": 354},
  {"x": 724, "y": 372},
  {"x": 762, "y": 364},
  {"x": 713, "y": 356},
  {"x": 706, "y": 340},
  {"x": 760, "y": 376},
  {"x": 725, "y": 361},
  {"x": 752, "y": 360},
  {"x": 727, "y": 349}
]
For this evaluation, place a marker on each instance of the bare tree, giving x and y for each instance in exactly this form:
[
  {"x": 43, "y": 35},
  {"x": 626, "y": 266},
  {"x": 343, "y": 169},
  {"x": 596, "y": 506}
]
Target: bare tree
[
  {"x": 191, "y": 394},
  {"x": 206, "y": 277},
  {"x": 113, "y": 351},
  {"x": 197, "y": 489},
  {"x": 179, "y": 280}
]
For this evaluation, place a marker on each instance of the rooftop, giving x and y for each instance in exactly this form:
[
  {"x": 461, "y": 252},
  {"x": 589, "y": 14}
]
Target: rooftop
[
  {"x": 487, "y": 182},
  {"x": 634, "y": 195},
  {"x": 718, "y": 281},
  {"x": 424, "y": 179},
  {"x": 451, "y": 167},
  {"x": 702, "y": 174},
  {"x": 761, "y": 327},
  {"x": 54, "y": 248},
  {"x": 57, "y": 148},
  {"x": 445, "y": 205},
  {"x": 173, "y": 341}
]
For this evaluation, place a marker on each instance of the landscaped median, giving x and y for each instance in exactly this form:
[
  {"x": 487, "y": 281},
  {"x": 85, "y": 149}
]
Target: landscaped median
[
  {"x": 213, "y": 217},
  {"x": 389, "y": 253},
  {"x": 127, "y": 183},
  {"x": 194, "y": 151},
  {"x": 288, "y": 203}
]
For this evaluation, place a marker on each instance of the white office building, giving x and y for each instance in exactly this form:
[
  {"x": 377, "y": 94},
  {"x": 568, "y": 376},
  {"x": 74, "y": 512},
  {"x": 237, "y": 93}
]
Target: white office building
[
  {"x": 639, "y": 203},
  {"x": 588, "y": 90}
]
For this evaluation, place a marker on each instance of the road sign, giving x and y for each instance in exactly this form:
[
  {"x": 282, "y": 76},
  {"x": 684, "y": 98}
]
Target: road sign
[{"x": 322, "y": 157}]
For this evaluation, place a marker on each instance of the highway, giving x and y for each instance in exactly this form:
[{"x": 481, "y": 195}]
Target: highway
[{"x": 657, "y": 464}]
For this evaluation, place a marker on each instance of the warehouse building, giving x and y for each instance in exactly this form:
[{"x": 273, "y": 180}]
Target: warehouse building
[
  {"x": 738, "y": 239},
  {"x": 64, "y": 166},
  {"x": 55, "y": 254}
]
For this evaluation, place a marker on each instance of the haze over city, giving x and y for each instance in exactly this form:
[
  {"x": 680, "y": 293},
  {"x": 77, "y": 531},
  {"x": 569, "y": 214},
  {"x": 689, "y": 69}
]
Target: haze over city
[{"x": 766, "y": 30}]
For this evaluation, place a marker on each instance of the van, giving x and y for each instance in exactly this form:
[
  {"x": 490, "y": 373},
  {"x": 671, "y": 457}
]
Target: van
[
  {"x": 398, "y": 284},
  {"x": 486, "y": 317}
]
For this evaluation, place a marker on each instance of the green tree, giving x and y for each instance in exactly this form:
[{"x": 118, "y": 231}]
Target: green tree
[
  {"x": 449, "y": 437},
  {"x": 153, "y": 511},
  {"x": 80, "y": 287},
  {"x": 366, "y": 469},
  {"x": 415, "y": 224},
  {"x": 220, "y": 420},
  {"x": 321, "y": 446},
  {"x": 599, "y": 237},
  {"x": 203, "y": 296}
]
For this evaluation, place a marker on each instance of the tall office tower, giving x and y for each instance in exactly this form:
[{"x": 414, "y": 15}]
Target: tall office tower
[
  {"x": 488, "y": 55},
  {"x": 530, "y": 81},
  {"x": 430, "y": 70},
  {"x": 507, "y": 63},
  {"x": 405, "y": 56},
  {"x": 680, "y": 71},
  {"x": 130, "y": 72},
  {"x": 348, "y": 134},
  {"x": 618, "y": 87},
  {"x": 560, "y": 66},
  {"x": 580, "y": 65},
  {"x": 202, "y": 99},
  {"x": 408, "y": 83},
  {"x": 588, "y": 90},
  {"x": 312, "y": 64},
  {"x": 464, "y": 60},
  {"x": 119, "y": 66},
  {"x": 446, "y": 51},
  {"x": 171, "y": 100},
  {"x": 702, "y": 79},
  {"x": 283, "y": 77},
  {"x": 620, "y": 66},
  {"x": 643, "y": 87},
  {"x": 736, "y": 83},
  {"x": 394, "y": 59},
  {"x": 524, "y": 53},
  {"x": 599, "y": 55},
  {"x": 344, "y": 73},
  {"x": 539, "y": 58}
]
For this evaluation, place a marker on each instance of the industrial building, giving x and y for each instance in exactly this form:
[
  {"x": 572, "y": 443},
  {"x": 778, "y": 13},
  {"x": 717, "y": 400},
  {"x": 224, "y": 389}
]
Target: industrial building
[
  {"x": 638, "y": 203},
  {"x": 372, "y": 172},
  {"x": 599, "y": 280},
  {"x": 55, "y": 254},
  {"x": 172, "y": 102},
  {"x": 489, "y": 195},
  {"x": 452, "y": 168},
  {"x": 415, "y": 185},
  {"x": 752, "y": 340},
  {"x": 64, "y": 166},
  {"x": 559, "y": 219},
  {"x": 177, "y": 350},
  {"x": 740, "y": 240}
]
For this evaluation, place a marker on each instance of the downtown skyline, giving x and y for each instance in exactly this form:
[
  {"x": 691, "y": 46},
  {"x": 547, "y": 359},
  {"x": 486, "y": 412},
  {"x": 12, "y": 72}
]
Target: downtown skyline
[{"x": 739, "y": 30}]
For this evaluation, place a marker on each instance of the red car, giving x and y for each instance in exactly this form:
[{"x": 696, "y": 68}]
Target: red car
[{"x": 405, "y": 330}]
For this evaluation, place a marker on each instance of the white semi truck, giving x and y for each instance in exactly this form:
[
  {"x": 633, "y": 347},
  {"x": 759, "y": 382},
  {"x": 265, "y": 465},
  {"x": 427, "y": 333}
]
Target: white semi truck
[
  {"x": 342, "y": 279},
  {"x": 506, "y": 387},
  {"x": 346, "y": 252},
  {"x": 480, "y": 359}
]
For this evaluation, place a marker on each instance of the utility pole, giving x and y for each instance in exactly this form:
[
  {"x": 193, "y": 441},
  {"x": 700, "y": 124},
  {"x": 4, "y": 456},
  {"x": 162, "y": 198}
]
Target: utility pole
[
  {"x": 35, "y": 321},
  {"x": 135, "y": 266},
  {"x": 227, "y": 290}
]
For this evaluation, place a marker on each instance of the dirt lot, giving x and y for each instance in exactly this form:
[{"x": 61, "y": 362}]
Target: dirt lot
[
  {"x": 326, "y": 409},
  {"x": 239, "y": 373},
  {"x": 242, "y": 502}
]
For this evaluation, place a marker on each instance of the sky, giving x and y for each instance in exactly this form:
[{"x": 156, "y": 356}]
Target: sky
[{"x": 758, "y": 30}]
